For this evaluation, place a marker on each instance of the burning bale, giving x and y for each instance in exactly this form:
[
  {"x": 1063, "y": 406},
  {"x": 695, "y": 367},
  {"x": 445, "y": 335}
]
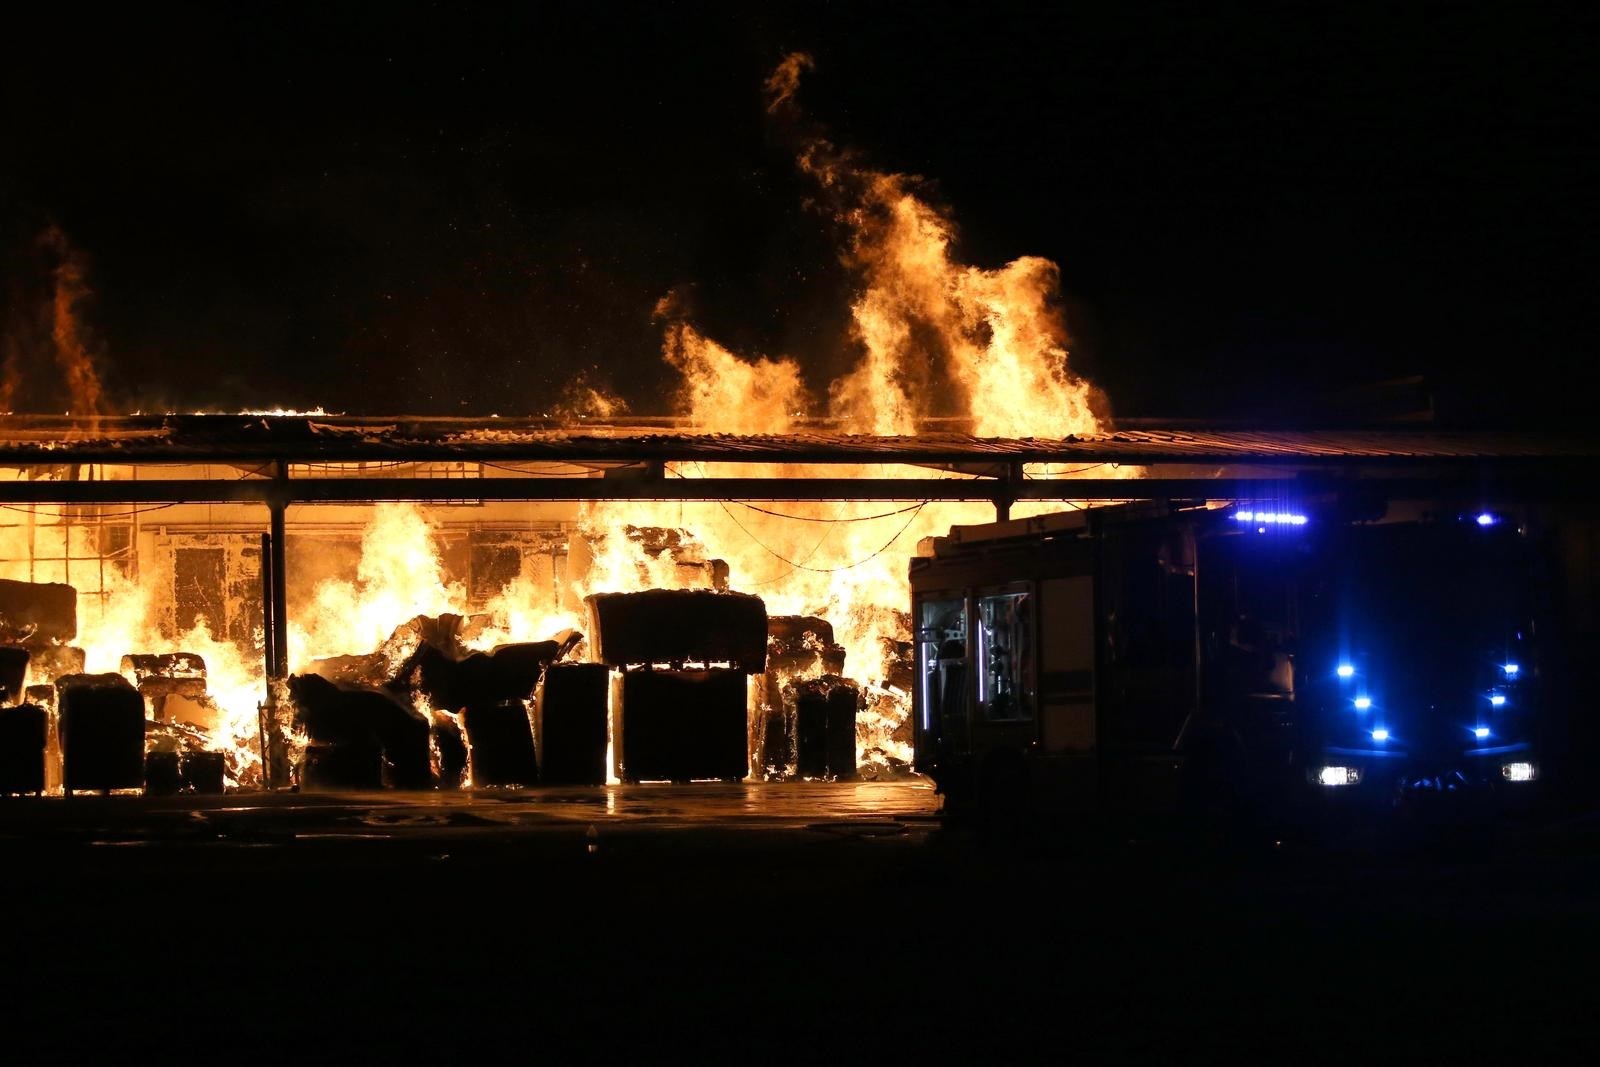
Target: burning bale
[
  {"x": 357, "y": 729},
  {"x": 102, "y": 729},
  {"x": 23, "y": 732},
  {"x": 161, "y": 775},
  {"x": 203, "y": 772},
  {"x": 674, "y": 723},
  {"x": 825, "y": 726},
  {"x": 425, "y": 665},
  {"x": 678, "y": 626},
  {"x": 500, "y": 744},
  {"x": 571, "y": 714},
  {"x": 37, "y": 613},
  {"x": 798, "y": 646}
]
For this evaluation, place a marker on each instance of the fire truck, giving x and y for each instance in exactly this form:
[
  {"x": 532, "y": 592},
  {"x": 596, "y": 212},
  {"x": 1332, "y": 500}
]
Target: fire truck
[{"x": 1276, "y": 660}]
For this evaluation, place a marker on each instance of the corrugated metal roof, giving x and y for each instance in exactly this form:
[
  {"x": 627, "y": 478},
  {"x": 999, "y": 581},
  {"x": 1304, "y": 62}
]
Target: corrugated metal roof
[{"x": 300, "y": 438}]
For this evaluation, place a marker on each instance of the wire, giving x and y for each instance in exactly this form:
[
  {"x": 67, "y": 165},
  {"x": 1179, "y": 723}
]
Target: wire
[
  {"x": 800, "y": 566},
  {"x": 852, "y": 518},
  {"x": 584, "y": 473},
  {"x": 29, "y": 509},
  {"x": 1060, "y": 474}
]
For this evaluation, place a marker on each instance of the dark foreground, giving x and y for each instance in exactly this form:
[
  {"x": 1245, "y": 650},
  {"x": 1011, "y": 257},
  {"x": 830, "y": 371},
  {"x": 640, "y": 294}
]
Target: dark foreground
[{"x": 763, "y": 923}]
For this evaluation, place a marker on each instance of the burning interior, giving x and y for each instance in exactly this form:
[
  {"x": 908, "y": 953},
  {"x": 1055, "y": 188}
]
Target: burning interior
[{"x": 531, "y": 609}]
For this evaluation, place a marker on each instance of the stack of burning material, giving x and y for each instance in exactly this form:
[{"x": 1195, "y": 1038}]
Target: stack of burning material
[
  {"x": 102, "y": 729},
  {"x": 37, "y": 622},
  {"x": 798, "y": 646},
  {"x": 182, "y": 720},
  {"x": 684, "y": 655},
  {"x": 825, "y": 726},
  {"x": 360, "y": 738},
  {"x": 364, "y": 714}
]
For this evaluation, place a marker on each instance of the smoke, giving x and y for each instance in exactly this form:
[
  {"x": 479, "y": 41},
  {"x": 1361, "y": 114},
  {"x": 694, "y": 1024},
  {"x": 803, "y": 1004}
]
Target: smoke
[{"x": 49, "y": 355}]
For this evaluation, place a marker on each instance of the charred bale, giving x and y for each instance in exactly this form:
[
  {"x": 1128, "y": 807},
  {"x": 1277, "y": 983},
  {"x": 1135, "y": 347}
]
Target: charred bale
[
  {"x": 204, "y": 772},
  {"x": 37, "y": 612},
  {"x": 678, "y": 626},
  {"x": 776, "y": 751},
  {"x": 42, "y": 695},
  {"x": 682, "y": 725},
  {"x": 571, "y": 713},
  {"x": 509, "y": 672},
  {"x": 168, "y": 665},
  {"x": 102, "y": 732},
  {"x": 500, "y": 741},
  {"x": 825, "y": 728},
  {"x": 23, "y": 732},
  {"x": 802, "y": 645},
  {"x": 360, "y": 718},
  {"x": 161, "y": 777},
  {"x": 13, "y": 672}
]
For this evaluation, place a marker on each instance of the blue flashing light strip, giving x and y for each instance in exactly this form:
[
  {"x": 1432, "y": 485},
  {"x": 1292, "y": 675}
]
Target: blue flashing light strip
[
  {"x": 1500, "y": 750},
  {"x": 1271, "y": 518},
  {"x": 1381, "y": 753},
  {"x": 1487, "y": 519}
]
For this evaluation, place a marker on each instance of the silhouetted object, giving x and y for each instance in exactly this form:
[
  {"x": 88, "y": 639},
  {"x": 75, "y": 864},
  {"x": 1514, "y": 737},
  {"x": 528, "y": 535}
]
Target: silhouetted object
[
  {"x": 23, "y": 731},
  {"x": 362, "y": 719},
  {"x": 13, "y": 671},
  {"x": 161, "y": 777},
  {"x": 776, "y": 748},
  {"x": 204, "y": 772},
  {"x": 510, "y": 672},
  {"x": 501, "y": 743},
  {"x": 825, "y": 728},
  {"x": 102, "y": 733},
  {"x": 37, "y": 612},
  {"x": 678, "y": 626},
  {"x": 571, "y": 712},
  {"x": 682, "y": 725},
  {"x": 334, "y": 768}
]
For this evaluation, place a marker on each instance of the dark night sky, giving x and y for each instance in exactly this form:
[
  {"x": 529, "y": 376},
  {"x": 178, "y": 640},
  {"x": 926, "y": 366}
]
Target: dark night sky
[{"x": 429, "y": 209}]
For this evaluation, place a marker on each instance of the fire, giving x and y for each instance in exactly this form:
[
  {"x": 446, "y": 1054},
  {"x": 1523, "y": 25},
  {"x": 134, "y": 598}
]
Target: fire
[
  {"x": 50, "y": 346},
  {"x": 996, "y": 343},
  {"x": 933, "y": 337}
]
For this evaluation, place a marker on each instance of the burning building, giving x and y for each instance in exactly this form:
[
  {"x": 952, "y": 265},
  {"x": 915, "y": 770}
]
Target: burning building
[{"x": 257, "y": 600}]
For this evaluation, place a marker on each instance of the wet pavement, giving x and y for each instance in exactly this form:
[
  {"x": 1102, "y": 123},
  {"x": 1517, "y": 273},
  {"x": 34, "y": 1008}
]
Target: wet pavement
[
  {"x": 790, "y": 923},
  {"x": 285, "y": 817}
]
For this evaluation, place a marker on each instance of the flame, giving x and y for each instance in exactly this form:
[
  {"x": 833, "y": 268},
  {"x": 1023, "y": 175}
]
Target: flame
[
  {"x": 401, "y": 576},
  {"x": 993, "y": 338},
  {"x": 70, "y": 342}
]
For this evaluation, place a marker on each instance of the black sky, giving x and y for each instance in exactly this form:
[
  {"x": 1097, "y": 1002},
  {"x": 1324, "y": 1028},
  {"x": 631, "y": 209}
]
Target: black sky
[{"x": 427, "y": 208}]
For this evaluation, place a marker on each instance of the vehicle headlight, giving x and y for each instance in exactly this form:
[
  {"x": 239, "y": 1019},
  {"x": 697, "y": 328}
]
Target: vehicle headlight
[
  {"x": 1331, "y": 776},
  {"x": 1519, "y": 772}
]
